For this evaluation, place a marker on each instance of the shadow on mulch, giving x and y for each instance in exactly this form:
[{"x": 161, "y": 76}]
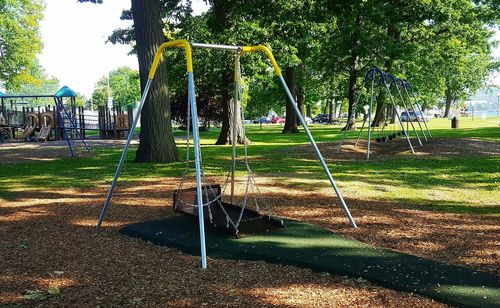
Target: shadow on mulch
[{"x": 309, "y": 246}]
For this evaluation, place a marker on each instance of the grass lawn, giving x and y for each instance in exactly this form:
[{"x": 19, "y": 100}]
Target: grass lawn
[
  {"x": 442, "y": 203},
  {"x": 459, "y": 183}
]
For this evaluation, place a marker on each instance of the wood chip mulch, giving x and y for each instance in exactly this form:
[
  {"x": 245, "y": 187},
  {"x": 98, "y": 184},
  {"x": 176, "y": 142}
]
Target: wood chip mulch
[{"x": 51, "y": 254}]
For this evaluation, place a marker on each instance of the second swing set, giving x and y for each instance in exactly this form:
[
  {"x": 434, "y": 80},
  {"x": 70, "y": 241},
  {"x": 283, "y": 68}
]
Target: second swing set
[
  {"x": 397, "y": 90},
  {"x": 208, "y": 199}
]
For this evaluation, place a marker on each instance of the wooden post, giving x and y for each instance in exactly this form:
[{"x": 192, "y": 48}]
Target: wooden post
[
  {"x": 100, "y": 118},
  {"x": 39, "y": 116},
  {"x": 115, "y": 131}
]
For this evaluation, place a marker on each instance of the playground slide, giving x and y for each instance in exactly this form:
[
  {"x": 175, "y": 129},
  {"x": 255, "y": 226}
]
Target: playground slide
[{"x": 44, "y": 133}]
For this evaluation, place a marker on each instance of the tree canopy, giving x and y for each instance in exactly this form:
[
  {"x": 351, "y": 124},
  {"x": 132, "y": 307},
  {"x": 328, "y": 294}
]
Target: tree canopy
[
  {"x": 124, "y": 87},
  {"x": 20, "y": 42},
  {"x": 324, "y": 47}
]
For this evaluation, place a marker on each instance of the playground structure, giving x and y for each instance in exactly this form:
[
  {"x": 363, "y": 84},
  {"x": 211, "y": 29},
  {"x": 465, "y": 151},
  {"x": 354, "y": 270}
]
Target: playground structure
[
  {"x": 398, "y": 93},
  {"x": 205, "y": 195},
  {"x": 60, "y": 118}
]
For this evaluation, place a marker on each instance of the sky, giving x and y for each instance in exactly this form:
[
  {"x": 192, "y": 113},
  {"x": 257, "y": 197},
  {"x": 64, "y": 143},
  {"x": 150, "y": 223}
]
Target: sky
[{"x": 74, "y": 36}]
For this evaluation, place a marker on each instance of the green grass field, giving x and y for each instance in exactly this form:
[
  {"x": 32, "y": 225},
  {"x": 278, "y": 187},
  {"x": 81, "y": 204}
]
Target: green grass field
[{"x": 449, "y": 183}]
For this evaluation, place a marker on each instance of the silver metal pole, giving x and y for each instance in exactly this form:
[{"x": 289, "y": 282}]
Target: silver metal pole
[
  {"x": 197, "y": 162},
  {"x": 415, "y": 112},
  {"x": 408, "y": 113},
  {"x": 233, "y": 128},
  {"x": 318, "y": 153},
  {"x": 399, "y": 119},
  {"x": 124, "y": 153},
  {"x": 354, "y": 112},
  {"x": 215, "y": 46},
  {"x": 370, "y": 119},
  {"x": 360, "y": 131},
  {"x": 420, "y": 110}
]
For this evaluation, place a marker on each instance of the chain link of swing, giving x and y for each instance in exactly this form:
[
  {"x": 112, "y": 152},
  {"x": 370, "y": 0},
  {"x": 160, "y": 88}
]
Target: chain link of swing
[{"x": 251, "y": 187}]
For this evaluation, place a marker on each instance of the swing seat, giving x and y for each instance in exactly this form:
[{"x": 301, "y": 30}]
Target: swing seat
[
  {"x": 252, "y": 222},
  {"x": 379, "y": 139},
  {"x": 384, "y": 139},
  {"x": 390, "y": 137}
]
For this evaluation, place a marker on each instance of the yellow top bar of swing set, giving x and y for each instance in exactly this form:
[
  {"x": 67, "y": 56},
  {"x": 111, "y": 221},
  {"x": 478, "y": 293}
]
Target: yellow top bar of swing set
[
  {"x": 189, "y": 58},
  {"x": 267, "y": 51},
  {"x": 177, "y": 43}
]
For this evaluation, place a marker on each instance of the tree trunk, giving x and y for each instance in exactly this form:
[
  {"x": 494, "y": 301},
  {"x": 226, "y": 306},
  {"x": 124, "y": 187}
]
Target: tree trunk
[
  {"x": 330, "y": 110},
  {"x": 309, "y": 111},
  {"x": 351, "y": 95},
  {"x": 394, "y": 34},
  {"x": 449, "y": 100},
  {"x": 157, "y": 141},
  {"x": 379, "y": 110},
  {"x": 291, "y": 118},
  {"x": 227, "y": 114},
  {"x": 353, "y": 75}
]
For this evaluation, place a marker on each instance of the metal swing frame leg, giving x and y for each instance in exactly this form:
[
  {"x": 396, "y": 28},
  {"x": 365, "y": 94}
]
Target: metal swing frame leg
[
  {"x": 418, "y": 106},
  {"x": 368, "y": 144},
  {"x": 318, "y": 153},
  {"x": 197, "y": 161},
  {"x": 124, "y": 154},
  {"x": 412, "y": 106},
  {"x": 234, "y": 136},
  {"x": 260, "y": 48},
  {"x": 61, "y": 120},
  {"x": 407, "y": 112},
  {"x": 197, "y": 152},
  {"x": 360, "y": 131},
  {"x": 339, "y": 147},
  {"x": 399, "y": 118}
]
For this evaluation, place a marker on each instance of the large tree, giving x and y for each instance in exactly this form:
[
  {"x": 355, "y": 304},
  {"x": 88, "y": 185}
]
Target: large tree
[
  {"x": 463, "y": 53},
  {"x": 20, "y": 41},
  {"x": 157, "y": 141}
]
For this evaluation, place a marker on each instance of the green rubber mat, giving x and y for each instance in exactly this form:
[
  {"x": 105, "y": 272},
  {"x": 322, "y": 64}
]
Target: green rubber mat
[{"x": 309, "y": 246}]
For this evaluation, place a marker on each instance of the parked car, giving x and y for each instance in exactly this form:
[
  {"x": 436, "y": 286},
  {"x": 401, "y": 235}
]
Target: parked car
[
  {"x": 263, "y": 120},
  {"x": 320, "y": 118},
  {"x": 308, "y": 120},
  {"x": 277, "y": 120},
  {"x": 412, "y": 117}
]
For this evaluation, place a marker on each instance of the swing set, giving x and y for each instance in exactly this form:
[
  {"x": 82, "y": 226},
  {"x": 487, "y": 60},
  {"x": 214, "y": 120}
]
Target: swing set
[
  {"x": 206, "y": 200},
  {"x": 393, "y": 87}
]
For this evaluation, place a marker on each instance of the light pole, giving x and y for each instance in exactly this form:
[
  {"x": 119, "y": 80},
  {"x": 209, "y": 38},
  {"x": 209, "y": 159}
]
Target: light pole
[{"x": 109, "y": 103}]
